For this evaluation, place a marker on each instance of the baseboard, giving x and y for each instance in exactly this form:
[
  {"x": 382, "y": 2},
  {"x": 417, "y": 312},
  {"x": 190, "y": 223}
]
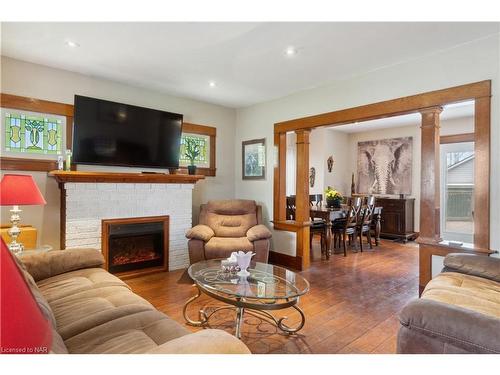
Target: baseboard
[{"x": 285, "y": 260}]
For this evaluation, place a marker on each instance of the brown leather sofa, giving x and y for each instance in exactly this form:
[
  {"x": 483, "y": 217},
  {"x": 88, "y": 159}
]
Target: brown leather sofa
[
  {"x": 93, "y": 311},
  {"x": 226, "y": 226},
  {"x": 459, "y": 311}
]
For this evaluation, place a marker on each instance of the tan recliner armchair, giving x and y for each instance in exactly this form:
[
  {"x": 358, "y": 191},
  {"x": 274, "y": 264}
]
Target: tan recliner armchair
[{"x": 226, "y": 226}]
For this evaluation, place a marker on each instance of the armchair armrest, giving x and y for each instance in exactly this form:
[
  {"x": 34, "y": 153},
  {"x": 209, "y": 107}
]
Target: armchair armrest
[
  {"x": 209, "y": 341},
  {"x": 200, "y": 232},
  {"x": 451, "y": 325},
  {"x": 258, "y": 232},
  {"x": 45, "y": 264},
  {"x": 474, "y": 265}
]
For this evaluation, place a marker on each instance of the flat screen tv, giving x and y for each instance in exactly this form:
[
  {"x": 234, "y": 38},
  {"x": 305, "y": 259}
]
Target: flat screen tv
[{"x": 109, "y": 133}]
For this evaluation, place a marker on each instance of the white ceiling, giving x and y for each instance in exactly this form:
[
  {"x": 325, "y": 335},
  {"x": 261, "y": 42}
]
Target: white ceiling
[
  {"x": 246, "y": 60},
  {"x": 450, "y": 112}
]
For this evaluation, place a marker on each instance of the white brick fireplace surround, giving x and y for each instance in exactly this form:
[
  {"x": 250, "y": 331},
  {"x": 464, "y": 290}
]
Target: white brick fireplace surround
[{"x": 88, "y": 203}]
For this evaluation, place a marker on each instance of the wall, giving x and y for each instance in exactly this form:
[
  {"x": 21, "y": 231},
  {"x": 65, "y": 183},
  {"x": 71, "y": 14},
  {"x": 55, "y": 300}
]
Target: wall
[
  {"x": 37, "y": 81},
  {"x": 470, "y": 62}
]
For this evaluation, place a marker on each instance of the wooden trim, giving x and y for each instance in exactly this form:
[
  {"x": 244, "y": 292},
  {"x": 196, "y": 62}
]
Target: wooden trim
[
  {"x": 211, "y": 132},
  {"x": 302, "y": 207},
  {"x": 156, "y": 178},
  {"x": 457, "y": 138},
  {"x": 395, "y": 107},
  {"x": 62, "y": 217},
  {"x": 479, "y": 91},
  {"x": 36, "y": 105},
  {"x": 279, "y": 209},
  {"x": 430, "y": 208},
  {"x": 199, "y": 170},
  {"x": 25, "y": 164},
  {"x": 290, "y": 225},
  {"x": 285, "y": 260},
  {"x": 482, "y": 161},
  {"x": 264, "y": 168},
  {"x": 106, "y": 223},
  {"x": 198, "y": 129},
  {"x": 42, "y": 106}
]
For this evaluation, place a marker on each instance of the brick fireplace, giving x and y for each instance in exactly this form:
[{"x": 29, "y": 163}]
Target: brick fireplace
[{"x": 89, "y": 198}]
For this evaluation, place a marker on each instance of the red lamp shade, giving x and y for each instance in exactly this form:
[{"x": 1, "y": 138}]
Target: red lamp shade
[
  {"x": 23, "y": 328},
  {"x": 18, "y": 189}
]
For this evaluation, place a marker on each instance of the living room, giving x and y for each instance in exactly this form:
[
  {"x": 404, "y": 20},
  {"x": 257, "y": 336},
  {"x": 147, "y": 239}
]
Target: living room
[{"x": 208, "y": 230}]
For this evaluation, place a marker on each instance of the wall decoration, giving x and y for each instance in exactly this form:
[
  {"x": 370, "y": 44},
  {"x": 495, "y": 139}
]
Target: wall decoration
[
  {"x": 312, "y": 176},
  {"x": 253, "y": 159},
  {"x": 329, "y": 163},
  {"x": 353, "y": 185},
  {"x": 385, "y": 166},
  {"x": 31, "y": 133}
]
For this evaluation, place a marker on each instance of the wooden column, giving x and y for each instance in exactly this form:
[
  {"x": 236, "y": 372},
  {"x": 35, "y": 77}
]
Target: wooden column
[
  {"x": 482, "y": 172},
  {"x": 279, "y": 208},
  {"x": 429, "y": 178},
  {"x": 302, "y": 209}
]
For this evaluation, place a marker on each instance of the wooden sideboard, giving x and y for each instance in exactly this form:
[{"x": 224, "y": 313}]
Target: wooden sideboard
[{"x": 397, "y": 219}]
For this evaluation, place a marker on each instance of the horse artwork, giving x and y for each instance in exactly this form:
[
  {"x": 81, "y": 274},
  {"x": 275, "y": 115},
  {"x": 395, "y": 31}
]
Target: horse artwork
[{"x": 385, "y": 166}]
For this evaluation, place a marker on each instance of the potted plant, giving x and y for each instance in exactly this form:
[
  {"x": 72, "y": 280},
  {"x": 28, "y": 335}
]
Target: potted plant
[
  {"x": 192, "y": 151},
  {"x": 333, "y": 197}
]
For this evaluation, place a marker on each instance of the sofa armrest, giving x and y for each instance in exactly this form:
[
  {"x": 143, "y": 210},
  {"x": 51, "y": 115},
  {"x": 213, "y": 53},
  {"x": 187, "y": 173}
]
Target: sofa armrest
[
  {"x": 258, "y": 232},
  {"x": 44, "y": 264},
  {"x": 209, "y": 341},
  {"x": 450, "y": 325},
  {"x": 475, "y": 265},
  {"x": 200, "y": 232}
]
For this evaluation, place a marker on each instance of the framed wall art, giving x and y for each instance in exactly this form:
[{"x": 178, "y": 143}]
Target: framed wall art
[{"x": 253, "y": 159}]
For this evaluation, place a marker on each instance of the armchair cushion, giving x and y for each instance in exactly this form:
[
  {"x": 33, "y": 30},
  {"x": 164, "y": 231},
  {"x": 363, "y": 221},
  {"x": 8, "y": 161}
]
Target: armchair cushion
[
  {"x": 42, "y": 265},
  {"x": 258, "y": 232},
  {"x": 222, "y": 247},
  {"x": 200, "y": 232},
  {"x": 230, "y": 218},
  {"x": 474, "y": 265}
]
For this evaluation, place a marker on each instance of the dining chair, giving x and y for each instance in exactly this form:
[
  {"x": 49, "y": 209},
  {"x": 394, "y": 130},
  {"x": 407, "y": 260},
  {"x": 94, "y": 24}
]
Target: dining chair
[
  {"x": 345, "y": 229},
  {"x": 365, "y": 221}
]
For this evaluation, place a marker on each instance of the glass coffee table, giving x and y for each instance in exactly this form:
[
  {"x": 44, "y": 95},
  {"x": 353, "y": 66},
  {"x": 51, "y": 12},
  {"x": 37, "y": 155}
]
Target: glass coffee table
[{"x": 267, "y": 288}]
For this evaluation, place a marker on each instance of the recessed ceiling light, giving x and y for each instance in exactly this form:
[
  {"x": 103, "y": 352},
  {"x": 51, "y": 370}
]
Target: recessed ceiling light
[
  {"x": 72, "y": 44},
  {"x": 291, "y": 51},
  {"x": 212, "y": 84}
]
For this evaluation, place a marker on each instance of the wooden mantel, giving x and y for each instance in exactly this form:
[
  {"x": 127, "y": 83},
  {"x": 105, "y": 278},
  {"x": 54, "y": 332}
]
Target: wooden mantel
[{"x": 114, "y": 177}]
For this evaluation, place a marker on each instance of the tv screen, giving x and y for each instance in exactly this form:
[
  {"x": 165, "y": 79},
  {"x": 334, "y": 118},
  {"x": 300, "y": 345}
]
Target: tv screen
[{"x": 109, "y": 133}]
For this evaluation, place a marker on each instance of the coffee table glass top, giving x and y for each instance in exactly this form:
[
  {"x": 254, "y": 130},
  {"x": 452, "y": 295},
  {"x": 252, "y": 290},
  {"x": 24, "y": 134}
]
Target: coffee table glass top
[{"x": 265, "y": 282}]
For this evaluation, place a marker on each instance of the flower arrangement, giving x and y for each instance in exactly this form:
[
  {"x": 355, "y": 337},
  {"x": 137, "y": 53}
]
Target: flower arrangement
[{"x": 333, "y": 197}]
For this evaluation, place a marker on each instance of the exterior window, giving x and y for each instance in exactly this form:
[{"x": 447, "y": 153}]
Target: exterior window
[
  {"x": 203, "y": 143},
  {"x": 31, "y": 133}
]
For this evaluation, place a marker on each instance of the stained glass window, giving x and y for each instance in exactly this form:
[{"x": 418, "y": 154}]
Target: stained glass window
[
  {"x": 32, "y": 134},
  {"x": 202, "y": 144}
]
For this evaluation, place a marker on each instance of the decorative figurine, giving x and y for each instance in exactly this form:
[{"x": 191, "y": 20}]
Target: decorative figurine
[{"x": 329, "y": 163}]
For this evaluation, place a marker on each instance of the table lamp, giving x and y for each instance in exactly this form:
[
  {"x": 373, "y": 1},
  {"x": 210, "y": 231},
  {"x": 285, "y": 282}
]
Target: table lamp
[{"x": 18, "y": 190}]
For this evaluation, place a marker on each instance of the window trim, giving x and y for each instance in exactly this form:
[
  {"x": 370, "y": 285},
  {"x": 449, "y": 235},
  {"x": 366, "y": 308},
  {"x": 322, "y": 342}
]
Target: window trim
[{"x": 209, "y": 131}]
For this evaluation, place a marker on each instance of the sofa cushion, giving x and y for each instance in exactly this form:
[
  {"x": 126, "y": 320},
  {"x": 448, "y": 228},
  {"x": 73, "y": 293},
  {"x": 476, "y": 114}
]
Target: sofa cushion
[
  {"x": 134, "y": 333},
  {"x": 73, "y": 282},
  {"x": 87, "y": 309},
  {"x": 470, "y": 292},
  {"x": 222, "y": 247},
  {"x": 230, "y": 218},
  {"x": 44, "y": 264},
  {"x": 37, "y": 294}
]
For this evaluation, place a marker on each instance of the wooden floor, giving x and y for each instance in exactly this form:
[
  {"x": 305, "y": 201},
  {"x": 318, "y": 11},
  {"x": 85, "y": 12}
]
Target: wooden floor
[{"x": 351, "y": 308}]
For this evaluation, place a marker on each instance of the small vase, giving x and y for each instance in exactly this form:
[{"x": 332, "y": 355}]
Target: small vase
[{"x": 191, "y": 169}]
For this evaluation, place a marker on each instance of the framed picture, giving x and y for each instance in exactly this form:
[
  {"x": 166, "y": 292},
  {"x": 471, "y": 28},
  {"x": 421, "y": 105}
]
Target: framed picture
[{"x": 253, "y": 159}]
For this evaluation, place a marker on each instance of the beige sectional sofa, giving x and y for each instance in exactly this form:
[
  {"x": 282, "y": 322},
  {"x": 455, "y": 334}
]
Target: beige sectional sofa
[
  {"x": 459, "y": 311},
  {"x": 93, "y": 311}
]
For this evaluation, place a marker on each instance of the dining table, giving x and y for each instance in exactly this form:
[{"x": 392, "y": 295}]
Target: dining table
[{"x": 330, "y": 214}]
